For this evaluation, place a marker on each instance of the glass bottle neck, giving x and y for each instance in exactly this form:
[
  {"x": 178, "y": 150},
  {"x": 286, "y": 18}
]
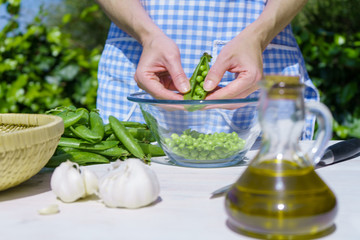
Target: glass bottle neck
[{"x": 282, "y": 121}]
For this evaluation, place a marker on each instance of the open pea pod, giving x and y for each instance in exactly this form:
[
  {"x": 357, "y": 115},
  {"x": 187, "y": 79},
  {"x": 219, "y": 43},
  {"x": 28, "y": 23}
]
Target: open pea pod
[{"x": 197, "y": 91}]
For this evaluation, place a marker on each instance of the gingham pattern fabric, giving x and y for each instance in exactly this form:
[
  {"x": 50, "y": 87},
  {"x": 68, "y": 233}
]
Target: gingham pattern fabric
[{"x": 196, "y": 27}]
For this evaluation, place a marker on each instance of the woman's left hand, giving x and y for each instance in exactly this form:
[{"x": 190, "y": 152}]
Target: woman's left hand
[{"x": 242, "y": 56}]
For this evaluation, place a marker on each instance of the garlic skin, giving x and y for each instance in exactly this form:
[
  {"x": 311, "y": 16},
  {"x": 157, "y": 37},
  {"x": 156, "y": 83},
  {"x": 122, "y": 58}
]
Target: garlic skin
[
  {"x": 133, "y": 184},
  {"x": 69, "y": 183}
]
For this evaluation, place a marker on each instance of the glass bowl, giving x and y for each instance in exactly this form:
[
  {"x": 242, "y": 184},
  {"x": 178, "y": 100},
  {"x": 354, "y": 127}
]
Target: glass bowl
[{"x": 202, "y": 133}]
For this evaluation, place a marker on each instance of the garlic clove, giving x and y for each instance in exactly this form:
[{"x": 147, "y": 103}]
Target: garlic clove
[
  {"x": 106, "y": 193},
  {"x": 90, "y": 180},
  {"x": 67, "y": 183},
  {"x": 51, "y": 209}
]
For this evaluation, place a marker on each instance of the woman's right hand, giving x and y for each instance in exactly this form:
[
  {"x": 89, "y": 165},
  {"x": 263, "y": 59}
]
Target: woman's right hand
[{"x": 159, "y": 70}]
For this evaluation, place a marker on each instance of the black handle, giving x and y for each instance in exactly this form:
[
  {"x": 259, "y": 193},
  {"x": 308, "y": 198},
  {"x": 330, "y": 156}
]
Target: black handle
[{"x": 345, "y": 149}]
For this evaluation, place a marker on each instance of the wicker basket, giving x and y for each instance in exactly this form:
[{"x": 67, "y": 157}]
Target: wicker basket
[{"x": 27, "y": 142}]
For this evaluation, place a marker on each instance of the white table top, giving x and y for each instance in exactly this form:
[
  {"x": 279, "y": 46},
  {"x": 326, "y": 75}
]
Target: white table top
[{"x": 184, "y": 209}]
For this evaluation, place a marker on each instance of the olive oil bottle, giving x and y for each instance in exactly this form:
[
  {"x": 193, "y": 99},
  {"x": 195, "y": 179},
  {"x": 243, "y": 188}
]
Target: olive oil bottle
[
  {"x": 290, "y": 203},
  {"x": 280, "y": 195}
]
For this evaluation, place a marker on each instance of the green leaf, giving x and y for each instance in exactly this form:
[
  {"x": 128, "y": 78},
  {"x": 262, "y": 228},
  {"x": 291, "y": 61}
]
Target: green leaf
[
  {"x": 69, "y": 72},
  {"x": 15, "y": 91},
  {"x": 3, "y": 88},
  {"x": 8, "y": 65},
  {"x": 13, "y": 8},
  {"x": 342, "y": 131},
  {"x": 355, "y": 128},
  {"x": 54, "y": 35},
  {"x": 339, "y": 39},
  {"x": 66, "y": 18},
  {"x": 14, "y": 2},
  {"x": 348, "y": 92},
  {"x": 32, "y": 93},
  {"x": 55, "y": 50},
  {"x": 85, "y": 13},
  {"x": 56, "y": 80}
]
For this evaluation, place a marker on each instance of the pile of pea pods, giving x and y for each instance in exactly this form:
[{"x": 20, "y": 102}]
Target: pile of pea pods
[{"x": 87, "y": 140}]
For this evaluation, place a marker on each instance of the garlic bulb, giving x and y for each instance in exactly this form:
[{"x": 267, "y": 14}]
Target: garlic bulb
[
  {"x": 69, "y": 182},
  {"x": 132, "y": 184}
]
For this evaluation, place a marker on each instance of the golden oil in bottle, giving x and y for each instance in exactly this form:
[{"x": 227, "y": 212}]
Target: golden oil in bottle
[{"x": 279, "y": 200}]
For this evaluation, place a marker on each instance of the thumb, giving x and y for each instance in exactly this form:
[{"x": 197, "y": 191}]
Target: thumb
[
  {"x": 214, "y": 76},
  {"x": 179, "y": 77}
]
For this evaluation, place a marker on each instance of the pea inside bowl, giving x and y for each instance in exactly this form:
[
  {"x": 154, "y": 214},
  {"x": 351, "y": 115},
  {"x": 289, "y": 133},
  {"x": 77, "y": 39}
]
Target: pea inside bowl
[{"x": 202, "y": 133}]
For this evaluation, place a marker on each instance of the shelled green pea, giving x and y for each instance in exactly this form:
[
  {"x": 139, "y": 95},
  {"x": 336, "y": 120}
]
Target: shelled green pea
[{"x": 198, "y": 146}]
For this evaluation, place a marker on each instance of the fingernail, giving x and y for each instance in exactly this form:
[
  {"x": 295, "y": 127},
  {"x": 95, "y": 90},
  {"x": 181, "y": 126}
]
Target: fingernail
[
  {"x": 208, "y": 85},
  {"x": 184, "y": 87}
]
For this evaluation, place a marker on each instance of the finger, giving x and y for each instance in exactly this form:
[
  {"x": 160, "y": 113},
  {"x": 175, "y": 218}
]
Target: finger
[
  {"x": 167, "y": 81},
  {"x": 223, "y": 93},
  {"x": 241, "y": 87},
  {"x": 178, "y": 75},
  {"x": 214, "y": 75},
  {"x": 155, "y": 88},
  {"x": 158, "y": 91}
]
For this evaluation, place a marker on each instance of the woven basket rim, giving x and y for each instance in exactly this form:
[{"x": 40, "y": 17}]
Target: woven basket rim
[
  {"x": 45, "y": 127},
  {"x": 21, "y": 116}
]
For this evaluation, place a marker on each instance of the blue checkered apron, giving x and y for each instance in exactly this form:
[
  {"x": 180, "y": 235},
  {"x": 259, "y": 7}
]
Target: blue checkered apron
[{"x": 197, "y": 26}]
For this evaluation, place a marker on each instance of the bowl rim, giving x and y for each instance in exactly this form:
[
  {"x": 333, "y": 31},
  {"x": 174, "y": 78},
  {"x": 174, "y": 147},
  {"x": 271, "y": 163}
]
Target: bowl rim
[{"x": 134, "y": 97}]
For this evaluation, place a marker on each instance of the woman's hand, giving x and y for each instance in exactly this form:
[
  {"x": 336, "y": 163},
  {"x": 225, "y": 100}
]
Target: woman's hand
[
  {"x": 242, "y": 56},
  {"x": 159, "y": 71}
]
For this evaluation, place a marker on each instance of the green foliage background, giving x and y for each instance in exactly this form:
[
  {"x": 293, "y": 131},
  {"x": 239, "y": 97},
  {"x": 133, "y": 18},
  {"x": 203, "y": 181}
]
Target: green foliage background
[
  {"x": 41, "y": 67},
  {"x": 329, "y": 36},
  {"x": 54, "y": 61}
]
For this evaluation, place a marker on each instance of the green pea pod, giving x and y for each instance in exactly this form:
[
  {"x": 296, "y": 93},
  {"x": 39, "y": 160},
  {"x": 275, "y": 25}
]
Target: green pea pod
[
  {"x": 56, "y": 111},
  {"x": 81, "y": 144},
  {"x": 127, "y": 124},
  {"x": 82, "y": 158},
  {"x": 97, "y": 124},
  {"x": 108, "y": 130},
  {"x": 197, "y": 91},
  {"x": 96, "y": 131},
  {"x": 68, "y": 133},
  {"x": 152, "y": 150},
  {"x": 84, "y": 120},
  {"x": 61, "y": 114},
  {"x": 130, "y": 124},
  {"x": 114, "y": 152},
  {"x": 71, "y": 108},
  {"x": 70, "y": 118},
  {"x": 126, "y": 138},
  {"x": 112, "y": 137},
  {"x": 142, "y": 135},
  {"x": 62, "y": 150},
  {"x": 83, "y": 132},
  {"x": 153, "y": 125}
]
